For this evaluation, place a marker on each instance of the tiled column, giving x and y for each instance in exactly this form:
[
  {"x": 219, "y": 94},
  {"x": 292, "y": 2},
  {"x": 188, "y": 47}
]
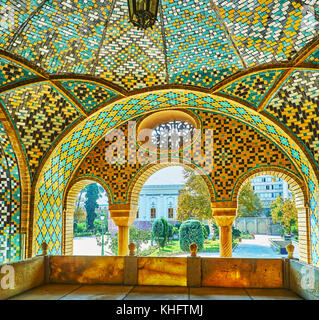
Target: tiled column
[
  {"x": 224, "y": 214},
  {"x": 123, "y": 216}
]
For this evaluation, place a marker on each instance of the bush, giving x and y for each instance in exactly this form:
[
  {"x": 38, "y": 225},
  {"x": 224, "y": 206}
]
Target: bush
[
  {"x": 216, "y": 230},
  {"x": 235, "y": 233},
  {"x": 81, "y": 227},
  {"x": 191, "y": 231},
  {"x": 207, "y": 230},
  {"x": 99, "y": 225},
  {"x": 160, "y": 232}
]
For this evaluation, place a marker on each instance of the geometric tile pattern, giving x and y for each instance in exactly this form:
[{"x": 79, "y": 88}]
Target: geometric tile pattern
[
  {"x": 12, "y": 14},
  {"x": 64, "y": 35},
  {"x": 296, "y": 106},
  {"x": 11, "y": 72},
  {"x": 253, "y": 87},
  {"x": 269, "y": 31},
  {"x": 77, "y": 143},
  {"x": 236, "y": 149},
  {"x": 10, "y": 201},
  {"x": 89, "y": 94},
  {"x": 116, "y": 176},
  {"x": 130, "y": 57},
  {"x": 314, "y": 58},
  {"x": 40, "y": 115},
  {"x": 198, "y": 49}
]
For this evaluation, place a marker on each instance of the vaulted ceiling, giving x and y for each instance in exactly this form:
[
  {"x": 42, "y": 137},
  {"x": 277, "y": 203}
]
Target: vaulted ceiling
[{"x": 63, "y": 60}]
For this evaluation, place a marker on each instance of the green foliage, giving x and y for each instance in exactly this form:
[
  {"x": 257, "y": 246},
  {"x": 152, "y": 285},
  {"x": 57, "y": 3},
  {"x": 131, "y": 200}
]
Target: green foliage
[
  {"x": 249, "y": 204},
  {"x": 114, "y": 244},
  {"x": 207, "y": 230},
  {"x": 178, "y": 225},
  {"x": 285, "y": 213},
  {"x": 235, "y": 233},
  {"x": 194, "y": 199},
  {"x": 191, "y": 231},
  {"x": 160, "y": 232},
  {"x": 81, "y": 227},
  {"x": 138, "y": 237},
  {"x": 216, "y": 230},
  {"x": 100, "y": 225},
  {"x": 170, "y": 231},
  {"x": 92, "y": 195}
]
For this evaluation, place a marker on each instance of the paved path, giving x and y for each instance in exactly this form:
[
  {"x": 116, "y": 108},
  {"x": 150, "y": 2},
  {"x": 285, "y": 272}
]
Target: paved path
[{"x": 259, "y": 247}]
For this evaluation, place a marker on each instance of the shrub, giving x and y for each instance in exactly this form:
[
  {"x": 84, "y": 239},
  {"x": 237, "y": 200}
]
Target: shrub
[
  {"x": 160, "y": 231},
  {"x": 81, "y": 227},
  {"x": 235, "y": 232},
  {"x": 206, "y": 226},
  {"x": 191, "y": 231},
  {"x": 216, "y": 230}
]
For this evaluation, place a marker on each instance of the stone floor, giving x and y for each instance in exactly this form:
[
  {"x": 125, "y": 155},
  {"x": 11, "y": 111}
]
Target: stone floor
[{"x": 112, "y": 292}]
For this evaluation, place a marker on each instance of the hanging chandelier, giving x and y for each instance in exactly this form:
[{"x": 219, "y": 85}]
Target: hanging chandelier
[{"x": 143, "y": 13}]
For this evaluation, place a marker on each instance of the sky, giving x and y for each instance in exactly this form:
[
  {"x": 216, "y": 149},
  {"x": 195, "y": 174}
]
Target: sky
[{"x": 169, "y": 175}]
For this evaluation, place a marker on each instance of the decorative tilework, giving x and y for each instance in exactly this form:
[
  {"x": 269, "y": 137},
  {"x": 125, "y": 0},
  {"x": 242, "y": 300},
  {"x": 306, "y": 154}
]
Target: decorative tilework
[
  {"x": 268, "y": 31},
  {"x": 89, "y": 94},
  {"x": 64, "y": 35},
  {"x": 12, "y": 15},
  {"x": 11, "y": 72},
  {"x": 253, "y": 87},
  {"x": 10, "y": 201},
  {"x": 314, "y": 58},
  {"x": 130, "y": 57},
  {"x": 40, "y": 115},
  {"x": 236, "y": 149},
  {"x": 296, "y": 106},
  {"x": 198, "y": 49},
  {"x": 75, "y": 145}
]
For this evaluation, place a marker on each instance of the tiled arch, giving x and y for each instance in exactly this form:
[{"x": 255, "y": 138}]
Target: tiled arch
[
  {"x": 68, "y": 154},
  {"x": 301, "y": 193}
]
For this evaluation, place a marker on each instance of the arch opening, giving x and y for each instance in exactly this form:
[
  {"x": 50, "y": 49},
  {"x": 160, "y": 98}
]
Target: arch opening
[
  {"x": 269, "y": 184},
  {"x": 86, "y": 216}
]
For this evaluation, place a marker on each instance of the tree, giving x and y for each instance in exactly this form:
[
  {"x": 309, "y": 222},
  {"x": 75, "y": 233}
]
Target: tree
[
  {"x": 138, "y": 237},
  {"x": 114, "y": 244},
  {"x": 79, "y": 215},
  {"x": 249, "y": 204},
  {"x": 194, "y": 200},
  {"x": 191, "y": 231},
  {"x": 285, "y": 213},
  {"x": 92, "y": 195},
  {"x": 160, "y": 231}
]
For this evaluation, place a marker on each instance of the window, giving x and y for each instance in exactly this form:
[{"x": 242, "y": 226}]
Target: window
[
  {"x": 170, "y": 213},
  {"x": 153, "y": 213}
]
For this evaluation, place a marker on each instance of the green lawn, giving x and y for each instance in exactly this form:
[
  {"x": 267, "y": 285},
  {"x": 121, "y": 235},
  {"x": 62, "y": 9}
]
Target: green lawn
[{"x": 173, "y": 248}]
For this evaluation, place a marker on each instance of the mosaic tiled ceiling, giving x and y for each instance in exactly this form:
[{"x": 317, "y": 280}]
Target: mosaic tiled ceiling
[
  {"x": 40, "y": 115},
  {"x": 296, "y": 105},
  {"x": 253, "y": 87},
  {"x": 269, "y": 31},
  {"x": 193, "y": 42}
]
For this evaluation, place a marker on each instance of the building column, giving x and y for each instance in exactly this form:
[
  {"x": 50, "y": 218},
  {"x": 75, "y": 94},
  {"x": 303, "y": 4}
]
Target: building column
[
  {"x": 123, "y": 216},
  {"x": 224, "y": 214},
  {"x": 304, "y": 234}
]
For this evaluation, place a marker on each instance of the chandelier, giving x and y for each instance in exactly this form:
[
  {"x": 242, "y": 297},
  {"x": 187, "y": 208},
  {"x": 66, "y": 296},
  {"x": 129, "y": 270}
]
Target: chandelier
[{"x": 143, "y": 13}]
